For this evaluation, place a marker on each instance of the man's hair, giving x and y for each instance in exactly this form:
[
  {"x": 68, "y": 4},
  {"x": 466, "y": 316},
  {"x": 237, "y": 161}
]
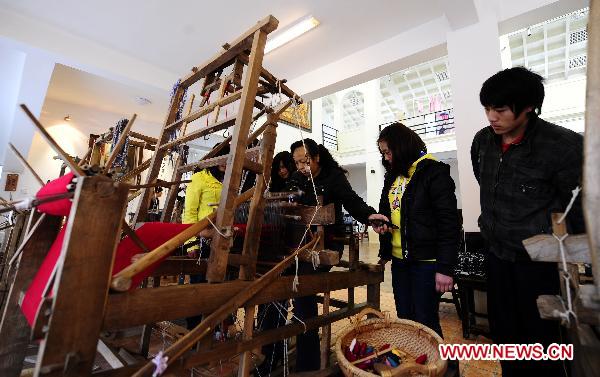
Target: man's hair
[
  {"x": 516, "y": 88},
  {"x": 313, "y": 149},
  {"x": 404, "y": 144}
]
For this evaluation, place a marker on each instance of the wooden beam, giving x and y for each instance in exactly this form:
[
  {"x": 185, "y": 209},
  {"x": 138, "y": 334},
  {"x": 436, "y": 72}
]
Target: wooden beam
[
  {"x": 14, "y": 329},
  {"x": 257, "y": 205},
  {"x": 215, "y": 161},
  {"x": 226, "y": 57},
  {"x": 138, "y": 170},
  {"x": 76, "y": 169},
  {"x": 205, "y": 327},
  {"x": 26, "y": 164},
  {"x": 231, "y": 348},
  {"x": 143, "y": 306},
  {"x": 221, "y": 125},
  {"x": 219, "y": 248},
  {"x": 325, "y": 214},
  {"x": 545, "y": 248},
  {"x": 69, "y": 347},
  {"x": 147, "y": 139}
]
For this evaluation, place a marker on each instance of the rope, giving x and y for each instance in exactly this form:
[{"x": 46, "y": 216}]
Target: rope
[
  {"x": 566, "y": 315},
  {"x": 217, "y": 230},
  {"x": 296, "y": 281}
]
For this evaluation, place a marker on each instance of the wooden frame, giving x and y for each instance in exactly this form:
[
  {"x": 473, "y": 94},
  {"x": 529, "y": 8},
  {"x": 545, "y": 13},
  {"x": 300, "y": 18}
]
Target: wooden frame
[{"x": 87, "y": 298}]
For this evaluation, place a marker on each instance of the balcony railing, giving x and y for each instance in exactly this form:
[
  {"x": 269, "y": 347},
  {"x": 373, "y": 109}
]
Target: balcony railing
[{"x": 430, "y": 124}]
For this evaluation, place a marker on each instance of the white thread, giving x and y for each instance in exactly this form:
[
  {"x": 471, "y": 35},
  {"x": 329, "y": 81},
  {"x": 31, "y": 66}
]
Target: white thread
[
  {"x": 161, "y": 364},
  {"x": 566, "y": 315},
  {"x": 218, "y": 231}
]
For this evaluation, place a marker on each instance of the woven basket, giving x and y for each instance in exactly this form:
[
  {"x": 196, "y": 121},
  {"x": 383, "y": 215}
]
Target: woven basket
[{"x": 411, "y": 337}]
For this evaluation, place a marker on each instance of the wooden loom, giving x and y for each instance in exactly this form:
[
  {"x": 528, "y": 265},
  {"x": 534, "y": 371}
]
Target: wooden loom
[{"x": 87, "y": 300}]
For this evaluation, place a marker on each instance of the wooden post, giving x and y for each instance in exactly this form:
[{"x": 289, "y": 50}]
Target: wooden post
[
  {"x": 220, "y": 246},
  {"x": 85, "y": 266},
  {"x": 560, "y": 230},
  {"x": 325, "y": 333},
  {"x": 14, "y": 330},
  {"x": 246, "y": 358},
  {"x": 591, "y": 172},
  {"x": 257, "y": 205}
]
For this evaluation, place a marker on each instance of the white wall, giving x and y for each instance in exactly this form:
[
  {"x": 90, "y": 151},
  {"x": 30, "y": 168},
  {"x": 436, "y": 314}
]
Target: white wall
[
  {"x": 71, "y": 136},
  {"x": 11, "y": 70},
  {"x": 358, "y": 179}
]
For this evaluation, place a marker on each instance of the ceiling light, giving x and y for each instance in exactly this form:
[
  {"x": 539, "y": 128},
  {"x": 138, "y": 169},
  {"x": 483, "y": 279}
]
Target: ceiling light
[
  {"x": 142, "y": 101},
  {"x": 292, "y": 32},
  {"x": 67, "y": 118}
]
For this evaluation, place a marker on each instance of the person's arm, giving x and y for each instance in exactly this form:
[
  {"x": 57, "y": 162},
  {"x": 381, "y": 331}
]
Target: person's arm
[
  {"x": 353, "y": 203},
  {"x": 443, "y": 200},
  {"x": 567, "y": 177},
  {"x": 475, "y": 156}
]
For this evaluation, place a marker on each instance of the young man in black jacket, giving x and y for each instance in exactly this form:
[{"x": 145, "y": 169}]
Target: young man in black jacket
[{"x": 526, "y": 168}]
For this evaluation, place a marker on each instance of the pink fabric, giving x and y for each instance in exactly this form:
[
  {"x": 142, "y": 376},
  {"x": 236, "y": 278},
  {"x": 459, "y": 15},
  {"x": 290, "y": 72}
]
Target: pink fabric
[
  {"x": 152, "y": 235},
  {"x": 60, "y": 207}
]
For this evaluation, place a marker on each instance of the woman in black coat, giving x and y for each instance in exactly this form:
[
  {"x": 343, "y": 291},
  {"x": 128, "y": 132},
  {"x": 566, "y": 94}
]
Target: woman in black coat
[{"x": 418, "y": 197}]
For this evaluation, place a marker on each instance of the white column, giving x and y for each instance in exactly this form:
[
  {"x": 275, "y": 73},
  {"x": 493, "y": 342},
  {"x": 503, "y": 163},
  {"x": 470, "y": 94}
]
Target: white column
[
  {"x": 374, "y": 170},
  {"x": 35, "y": 73},
  {"x": 468, "y": 70}
]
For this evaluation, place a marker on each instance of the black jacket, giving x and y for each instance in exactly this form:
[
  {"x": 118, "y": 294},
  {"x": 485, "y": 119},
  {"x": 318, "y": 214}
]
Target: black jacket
[
  {"x": 335, "y": 188},
  {"x": 429, "y": 221},
  {"x": 523, "y": 186}
]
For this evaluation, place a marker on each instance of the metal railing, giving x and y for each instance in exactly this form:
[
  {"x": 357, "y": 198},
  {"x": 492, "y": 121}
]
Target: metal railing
[
  {"x": 431, "y": 124},
  {"x": 330, "y": 136}
]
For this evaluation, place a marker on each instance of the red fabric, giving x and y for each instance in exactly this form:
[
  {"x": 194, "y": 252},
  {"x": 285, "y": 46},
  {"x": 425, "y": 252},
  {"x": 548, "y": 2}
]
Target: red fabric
[
  {"x": 33, "y": 296},
  {"x": 152, "y": 235},
  {"x": 60, "y": 207}
]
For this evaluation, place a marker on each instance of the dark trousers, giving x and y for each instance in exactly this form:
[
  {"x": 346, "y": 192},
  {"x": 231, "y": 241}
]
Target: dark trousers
[
  {"x": 415, "y": 296},
  {"x": 308, "y": 345},
  {"x": 513, "y": 288}
]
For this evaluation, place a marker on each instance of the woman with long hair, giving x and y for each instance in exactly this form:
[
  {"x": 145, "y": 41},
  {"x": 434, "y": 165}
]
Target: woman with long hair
[
  {"x": 418, "y": 196},
  {"x": 318, "y": 171},
  {"x": 281, "y": 170}
]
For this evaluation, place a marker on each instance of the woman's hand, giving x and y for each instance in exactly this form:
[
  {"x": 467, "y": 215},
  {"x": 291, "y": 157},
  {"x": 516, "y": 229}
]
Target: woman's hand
[
  {"x": 443, "y": 283},
  {"x": 379, "y": 228}
]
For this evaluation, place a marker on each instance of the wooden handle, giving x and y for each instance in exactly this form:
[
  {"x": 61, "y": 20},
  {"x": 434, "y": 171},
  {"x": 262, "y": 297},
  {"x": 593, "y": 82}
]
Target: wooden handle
[{"x": 367, "y": 311}]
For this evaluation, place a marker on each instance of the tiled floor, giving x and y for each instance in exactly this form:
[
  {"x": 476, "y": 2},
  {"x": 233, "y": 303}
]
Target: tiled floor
[{"x": 451, "y": 325}]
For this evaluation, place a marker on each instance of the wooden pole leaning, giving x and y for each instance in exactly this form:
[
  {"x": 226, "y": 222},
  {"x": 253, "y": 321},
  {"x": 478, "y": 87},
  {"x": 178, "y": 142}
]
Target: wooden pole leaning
[
  {"x": 191, "y": 338},
  {"x": 122, "y": 281},
  {"x": 120, "y": 144},
  {"x": 26, "y": 164},
  {"x": 76, "y": 169},
  {"x": 220, "y": 246}
]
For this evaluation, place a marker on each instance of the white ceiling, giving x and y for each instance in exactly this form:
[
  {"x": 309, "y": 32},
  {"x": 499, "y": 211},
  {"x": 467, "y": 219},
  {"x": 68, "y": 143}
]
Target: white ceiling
[
  {"x": 174, "y": 36},
  {"x": 71, "y": 85}
]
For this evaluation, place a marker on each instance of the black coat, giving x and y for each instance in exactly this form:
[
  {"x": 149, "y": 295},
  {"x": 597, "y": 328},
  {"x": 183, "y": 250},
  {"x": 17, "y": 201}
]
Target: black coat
[
  {"x": 333, "y": 185},
  {"x": 523, "y": 186},
  {"x": 429, "y": 221}
]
